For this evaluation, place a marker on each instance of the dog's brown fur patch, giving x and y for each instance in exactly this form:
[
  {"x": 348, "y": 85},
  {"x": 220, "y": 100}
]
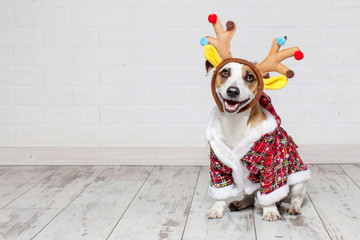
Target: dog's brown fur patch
[
  {"x": 247, "y": 201},
  {"x": 219, "y": 80},
  {"x": 253, "y": 86},
  {"x": 256, "y": 115}
]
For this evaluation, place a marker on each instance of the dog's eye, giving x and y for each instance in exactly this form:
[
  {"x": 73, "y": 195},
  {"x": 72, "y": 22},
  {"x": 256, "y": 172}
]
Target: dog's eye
[
  {"x": 250, "y": 78},
  {"x": 225, "y": 73}
]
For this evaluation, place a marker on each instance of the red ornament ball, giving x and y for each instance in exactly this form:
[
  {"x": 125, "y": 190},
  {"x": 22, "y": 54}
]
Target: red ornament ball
[
  {"x": 299, "y": 55},
  {"x": 212, "y": 18}
]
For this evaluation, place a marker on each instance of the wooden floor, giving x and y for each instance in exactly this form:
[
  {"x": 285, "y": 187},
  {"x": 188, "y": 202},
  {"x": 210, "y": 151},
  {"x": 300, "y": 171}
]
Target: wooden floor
[{"x": 128, "y": 202}]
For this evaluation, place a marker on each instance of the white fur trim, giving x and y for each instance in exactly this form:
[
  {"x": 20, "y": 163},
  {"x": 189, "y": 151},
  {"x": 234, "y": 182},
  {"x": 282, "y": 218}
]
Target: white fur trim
[
  {"x": 231, "y": 157},
  {"x": 299, "y": 177},
  {"x": 210, "y": 123},
  {"x": 280, "y": 193},
  {"x": 226, "y": 157},
  {"x": 274, "y": 196},
  {"x": 221, "y": 193}
]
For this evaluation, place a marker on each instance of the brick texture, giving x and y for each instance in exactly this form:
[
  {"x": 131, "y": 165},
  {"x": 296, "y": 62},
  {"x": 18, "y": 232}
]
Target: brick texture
[{"x": 131, "y": 73}]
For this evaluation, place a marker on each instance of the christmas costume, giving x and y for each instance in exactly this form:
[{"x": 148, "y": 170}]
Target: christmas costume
[
  {"x": 271, "y": 163},
  {"x": 268, "y": 160}
]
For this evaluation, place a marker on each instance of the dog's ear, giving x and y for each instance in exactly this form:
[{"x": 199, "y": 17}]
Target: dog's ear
[{"x": 209, "y": 68}]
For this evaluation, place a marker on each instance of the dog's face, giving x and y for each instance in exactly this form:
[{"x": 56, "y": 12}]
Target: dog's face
[{"x": 236, "y": 85}]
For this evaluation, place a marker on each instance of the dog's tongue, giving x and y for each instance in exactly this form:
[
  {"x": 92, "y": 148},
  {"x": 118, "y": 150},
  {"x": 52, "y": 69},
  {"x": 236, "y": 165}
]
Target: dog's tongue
[{"x": 231, "y": 105}]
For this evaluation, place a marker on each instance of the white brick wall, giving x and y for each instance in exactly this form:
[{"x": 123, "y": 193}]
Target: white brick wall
[{"x": 131, "y": 72}]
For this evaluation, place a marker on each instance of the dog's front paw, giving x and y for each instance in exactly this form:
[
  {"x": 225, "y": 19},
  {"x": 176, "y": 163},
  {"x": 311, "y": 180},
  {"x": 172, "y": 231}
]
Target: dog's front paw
[
  {"x": 214, "y": 213},
  {"x": 294, "y": 210},
  {"x": 217, "y": 210},
  {"x": 271, "y": 216}
]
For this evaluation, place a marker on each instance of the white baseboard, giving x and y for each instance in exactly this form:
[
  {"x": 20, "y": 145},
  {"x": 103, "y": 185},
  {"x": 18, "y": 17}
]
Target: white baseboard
[{"x": 311, "y": 154}]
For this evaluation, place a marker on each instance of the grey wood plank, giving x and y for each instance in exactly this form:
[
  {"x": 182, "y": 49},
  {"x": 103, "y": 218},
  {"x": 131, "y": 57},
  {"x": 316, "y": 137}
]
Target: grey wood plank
[
  {"x": 308, "y": 225},
  {"x": 18, "y": 180},
  {"x": 17, "y": 224},
  {"x": 94, "y": 213},
  {"x": 4, "y": 170},
  {"x": 335, "y": 197},
  {"x": 353, "y": 170},
  {"x": 233, "y": 225},
  {"x": 58, "y": 188},
  {"x": 34, "y": 209},
  {"x": 160, "y": 209}
]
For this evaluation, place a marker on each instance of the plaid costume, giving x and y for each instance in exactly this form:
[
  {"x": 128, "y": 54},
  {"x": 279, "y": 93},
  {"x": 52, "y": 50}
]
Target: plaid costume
[
  {"x": 272, "y": 159},
  {"x": 220, "y": 174}
]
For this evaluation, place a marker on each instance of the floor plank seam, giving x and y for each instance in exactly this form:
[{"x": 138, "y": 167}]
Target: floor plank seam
[
  {"x": 68, "y": 204},
  {"x": 28, "y": 189},
  {"x": 191, "y": 202},
  {"x": 317, "y": 212},
  {"x": 112, "y": 230},
  {"x": 253, "y": 215},
  {"x": 349, "y": 176}
]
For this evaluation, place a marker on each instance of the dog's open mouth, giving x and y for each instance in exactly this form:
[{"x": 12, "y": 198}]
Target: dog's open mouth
[{"x": 233, "y": 106}]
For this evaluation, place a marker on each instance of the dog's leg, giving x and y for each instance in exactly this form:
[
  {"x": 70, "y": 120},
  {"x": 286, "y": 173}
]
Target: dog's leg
[
  {"x": 247, "y": 201},
  {"x": 297, "y": 192},
  {"x": 217, "y": 209},
  {"x": 271, "y": 213}
]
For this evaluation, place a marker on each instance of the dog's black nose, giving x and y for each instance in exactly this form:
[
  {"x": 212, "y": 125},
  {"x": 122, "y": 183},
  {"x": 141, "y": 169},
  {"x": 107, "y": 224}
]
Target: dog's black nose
[{"x": 233, "y": 92}]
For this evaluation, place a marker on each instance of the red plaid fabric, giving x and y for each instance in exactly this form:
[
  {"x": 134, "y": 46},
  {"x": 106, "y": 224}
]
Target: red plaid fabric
[
  {"x": 221, "y": 175},
  {"x": 271, "y": 159},
  {"x": 265, "y": 102}
]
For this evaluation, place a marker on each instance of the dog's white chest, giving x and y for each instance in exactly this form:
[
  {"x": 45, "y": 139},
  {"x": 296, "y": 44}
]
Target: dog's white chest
[{"x": 234, "y": 129}]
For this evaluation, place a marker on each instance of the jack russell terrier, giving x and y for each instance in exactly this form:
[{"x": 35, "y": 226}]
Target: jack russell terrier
[{"x": 249, "y": 151}]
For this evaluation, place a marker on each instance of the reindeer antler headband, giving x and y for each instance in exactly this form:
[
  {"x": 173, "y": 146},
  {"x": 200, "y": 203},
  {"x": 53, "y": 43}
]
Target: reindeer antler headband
[{"x": 217, "y": 52}]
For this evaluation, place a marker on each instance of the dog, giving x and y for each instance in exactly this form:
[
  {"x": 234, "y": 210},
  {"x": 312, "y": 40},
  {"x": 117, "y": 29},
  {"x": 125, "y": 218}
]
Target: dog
[{"x": 249, "y": 150}]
